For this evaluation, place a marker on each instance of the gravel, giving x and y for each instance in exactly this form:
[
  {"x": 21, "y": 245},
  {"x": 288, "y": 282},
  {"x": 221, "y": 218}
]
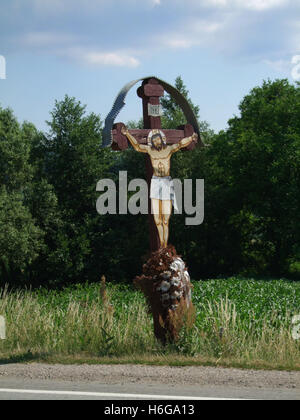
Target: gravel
[{"x": 124, "y": 374}]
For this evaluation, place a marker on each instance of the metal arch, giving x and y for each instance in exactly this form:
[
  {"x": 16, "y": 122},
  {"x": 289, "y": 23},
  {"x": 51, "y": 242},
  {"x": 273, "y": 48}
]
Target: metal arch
[{"x": 120, "y": 103}]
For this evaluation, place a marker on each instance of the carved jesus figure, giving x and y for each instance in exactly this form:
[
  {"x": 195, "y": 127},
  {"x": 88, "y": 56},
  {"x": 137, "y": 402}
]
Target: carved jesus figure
[{"x": 162, "y": 188}]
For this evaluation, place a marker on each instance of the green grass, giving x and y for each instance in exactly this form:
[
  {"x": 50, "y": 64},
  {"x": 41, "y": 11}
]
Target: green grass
[{"x": 240, "y": 322}]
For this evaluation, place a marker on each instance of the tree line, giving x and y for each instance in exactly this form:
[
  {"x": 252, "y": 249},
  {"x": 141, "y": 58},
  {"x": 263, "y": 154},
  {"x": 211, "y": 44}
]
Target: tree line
[{"x": 51, "y": 234}]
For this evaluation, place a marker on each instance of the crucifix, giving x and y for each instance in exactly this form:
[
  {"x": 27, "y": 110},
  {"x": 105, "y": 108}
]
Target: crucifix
[
  {"x": 165, "y": 280},
  {"x": 158, "y": 146}
]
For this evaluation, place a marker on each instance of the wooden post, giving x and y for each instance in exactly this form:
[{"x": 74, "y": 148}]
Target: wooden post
[{"x": 150, "y": 92}]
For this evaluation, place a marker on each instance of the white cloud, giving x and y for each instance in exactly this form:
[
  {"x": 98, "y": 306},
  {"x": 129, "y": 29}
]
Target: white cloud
[
  {"x": 291, "y": 67},
  {"x": 71, "y": 46},
  {"x": 99, "y": 58},
  {"x": 110, "y": 59},
  {"x": 281, "y": 66},
  {"x": 296, "y": 67},
  {"x": 262, "y": 4},
  {"x": 296, "y": 59},
  {"x": 194, "y": 32},
  {"x": 57, "y": 7},
  {"x": 258, "y": 5},
  {"x": 251, "y": 29},
  {"x": 46, "y": 39},
  {"x": 176, "y": 42}
]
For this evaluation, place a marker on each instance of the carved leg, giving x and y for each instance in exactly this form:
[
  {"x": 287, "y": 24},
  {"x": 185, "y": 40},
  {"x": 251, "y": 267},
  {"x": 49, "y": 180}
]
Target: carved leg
[
  {"x": 157, "y": 214},
  {"x": 166, "y": 213}
]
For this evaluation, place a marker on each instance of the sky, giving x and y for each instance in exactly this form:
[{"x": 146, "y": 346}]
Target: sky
[{"x": 89, "y": 49}]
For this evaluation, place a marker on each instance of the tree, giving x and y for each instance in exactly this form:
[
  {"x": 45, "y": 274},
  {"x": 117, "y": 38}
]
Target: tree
[
  {"x": 74, "y": 158},
  {"x": 260, "y": 163},
  {"x": 15, "y": 169},
  {"x": 69, "y": 162},
  {"x": 173, "y": 115},
  {"x": 20, "y": 237}
]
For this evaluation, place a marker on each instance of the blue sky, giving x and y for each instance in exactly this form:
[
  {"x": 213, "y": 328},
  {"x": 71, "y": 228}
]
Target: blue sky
[{"x": 89, "y": 49}]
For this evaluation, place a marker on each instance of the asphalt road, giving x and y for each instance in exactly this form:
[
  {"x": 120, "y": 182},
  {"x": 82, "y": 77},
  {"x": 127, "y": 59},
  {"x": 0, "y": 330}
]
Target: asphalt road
[
  {"x": 46, "y": 382},
  {"x": 32, "y": 389}
]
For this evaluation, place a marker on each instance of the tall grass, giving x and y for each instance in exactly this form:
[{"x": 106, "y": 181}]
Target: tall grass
[
  {"x": 77, "y": 322},
  {"x": 227, "y": 338},
  {"x": 89, "y": 327}
]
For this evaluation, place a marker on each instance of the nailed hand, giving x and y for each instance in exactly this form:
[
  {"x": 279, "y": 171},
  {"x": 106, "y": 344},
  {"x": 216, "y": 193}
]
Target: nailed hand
[{"x": 124, "y": 130}]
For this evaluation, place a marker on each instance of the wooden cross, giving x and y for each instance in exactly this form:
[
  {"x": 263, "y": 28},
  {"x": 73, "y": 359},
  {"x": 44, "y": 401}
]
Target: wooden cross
[{"x": 151, "y": 92}]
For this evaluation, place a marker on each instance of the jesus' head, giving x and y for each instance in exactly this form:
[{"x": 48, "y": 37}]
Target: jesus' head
[{"x": 157, "y": 141}]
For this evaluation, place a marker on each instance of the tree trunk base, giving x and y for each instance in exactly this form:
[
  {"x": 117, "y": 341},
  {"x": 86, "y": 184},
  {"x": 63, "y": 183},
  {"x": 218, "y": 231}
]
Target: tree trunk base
[{"x": 166, "y": 284}]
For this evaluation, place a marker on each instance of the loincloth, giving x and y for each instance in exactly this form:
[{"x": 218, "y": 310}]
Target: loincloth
[{"x": 162, "y": 188}]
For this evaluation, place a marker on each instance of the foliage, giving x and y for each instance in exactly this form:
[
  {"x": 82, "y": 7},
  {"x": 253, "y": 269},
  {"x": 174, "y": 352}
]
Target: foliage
[
  {"x": 15, "y": 168},
  {"x": 252, "y": 189},
  {"x": 238, "y": 321},
  {"x": 255, "y": 169},
  {"x": 21, "y": 240},
  {"x": 51, "y": 234},
  {"x": 173, "y": 116}
]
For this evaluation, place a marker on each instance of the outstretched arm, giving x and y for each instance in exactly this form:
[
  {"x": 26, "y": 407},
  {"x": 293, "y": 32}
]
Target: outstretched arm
[
  {"x": 184, "y": 143},
  {"x": 135, "y": 144}
]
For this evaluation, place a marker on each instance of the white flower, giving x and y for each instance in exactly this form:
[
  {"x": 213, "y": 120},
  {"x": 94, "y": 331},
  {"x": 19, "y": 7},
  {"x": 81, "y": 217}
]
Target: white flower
[
  {"x": 176, "y": 295},
  {"x": 176, "y": 281},
  {"x": 187, "y": 276},
  {"x": 164, "y": 287},
  {"x": 177, "y": 264}
]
